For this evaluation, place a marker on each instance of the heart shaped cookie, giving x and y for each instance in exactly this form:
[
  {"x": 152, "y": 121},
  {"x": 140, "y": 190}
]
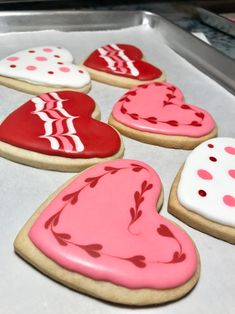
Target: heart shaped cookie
[
  {"x": 43, "y": 69},
  {"x": 156, "y": 113},
  {"x": 203, "y": 193},
  {"x": 100, "y": 234},
  {"x": 57, "y": 131},
  {"x": 121, "y": 65}
]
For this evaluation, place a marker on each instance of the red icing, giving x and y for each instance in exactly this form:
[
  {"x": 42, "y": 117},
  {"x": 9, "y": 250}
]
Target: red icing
[
  {"x": 212, "y": 158},
  {"x": 202, "y": 193},
  {"x": 24, "y": 128},
  {"x": 146, "y": 70}
]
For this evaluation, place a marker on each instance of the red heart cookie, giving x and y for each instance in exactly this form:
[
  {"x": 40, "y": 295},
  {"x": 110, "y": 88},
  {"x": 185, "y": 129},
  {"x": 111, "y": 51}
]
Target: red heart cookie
[
  {"x": 43, "y": 69},
  {"x": 121, "y": 65},
  {"x": 208, "y": 202},
  {"x": 156, "y": 113},
  {"x": 59, "y": 132},
  {"x": 102, "y": 235}
]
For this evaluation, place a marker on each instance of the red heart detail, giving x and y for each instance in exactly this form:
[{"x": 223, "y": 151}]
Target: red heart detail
[
  {"x": 149, "y": 110},
  {"x": 122, "y": 60},
  {"x": 60, "y": 124},
  {"x": 98, "y": 231}
]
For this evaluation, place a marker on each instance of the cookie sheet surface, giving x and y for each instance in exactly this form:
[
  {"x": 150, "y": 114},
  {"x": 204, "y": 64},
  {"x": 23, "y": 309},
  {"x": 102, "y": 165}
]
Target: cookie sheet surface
[{"x": 22, "y": 189}]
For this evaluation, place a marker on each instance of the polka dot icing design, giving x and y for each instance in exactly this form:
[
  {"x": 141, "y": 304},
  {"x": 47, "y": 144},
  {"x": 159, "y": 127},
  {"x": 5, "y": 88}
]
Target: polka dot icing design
[
  {"x": 207, "y": 184},
  {"x": 45, "y": 66}
]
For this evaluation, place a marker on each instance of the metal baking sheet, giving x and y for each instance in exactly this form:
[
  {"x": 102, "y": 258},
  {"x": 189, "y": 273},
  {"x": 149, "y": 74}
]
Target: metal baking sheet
[{"x": 22, "y": 189}]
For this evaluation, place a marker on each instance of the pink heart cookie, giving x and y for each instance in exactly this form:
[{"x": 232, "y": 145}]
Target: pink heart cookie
[
  {"x": 101, "y": 234},
  {"x": 157, "y": 114},
  {"x": 121, "y": 65},
  {"x": 57, "y": 131},
  {"x": 43, "y": 69},
  {"x": 208, "y": 202}
]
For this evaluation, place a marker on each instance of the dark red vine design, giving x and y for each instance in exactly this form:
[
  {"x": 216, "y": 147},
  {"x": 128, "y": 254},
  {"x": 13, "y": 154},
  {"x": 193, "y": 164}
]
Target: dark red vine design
[
  {"x": 95, "y": 250},
  {"x": 167, "y": 102}
]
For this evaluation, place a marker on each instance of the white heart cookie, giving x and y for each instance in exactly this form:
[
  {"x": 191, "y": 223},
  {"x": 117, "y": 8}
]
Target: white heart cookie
[
  {"x": 203, "y": 194},
  {"x": 44, "y": 66}
]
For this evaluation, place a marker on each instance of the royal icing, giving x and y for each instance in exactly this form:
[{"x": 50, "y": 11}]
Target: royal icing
[
  {"x": 50, "y": 66},
  {"x": 122, "y": 60},
  {"x": 60, "y": 124},
  {"x": 159, "y": 108},
  {"x": 207, "y": 182},
  {"x": 104, "y": 225}
]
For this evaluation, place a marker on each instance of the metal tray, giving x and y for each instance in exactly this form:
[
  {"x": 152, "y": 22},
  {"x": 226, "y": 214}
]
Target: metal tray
[
  {"x": 217, "y": 21},
  {"x": 212, "y": 62},
  {"x": 23, "y": 289}
]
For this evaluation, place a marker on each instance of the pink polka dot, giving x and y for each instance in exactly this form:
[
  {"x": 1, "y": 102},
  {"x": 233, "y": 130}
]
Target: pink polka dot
[
  {"x": 64, "y": 69},
  {"x": 210, "y": 145},
  {"x": 80, "y": 71},
  {"x": 41, "y": 58},
  {"x": 47, "y": 49},
  {"x": 229, "y": 200},
  {"x": 230, "y": 150},
  {"x": 204, "y": 174},
  {"x": 31, "y": 68},
  {"x": 12, "y": 58},
  {"x": 232, "y": 173}
]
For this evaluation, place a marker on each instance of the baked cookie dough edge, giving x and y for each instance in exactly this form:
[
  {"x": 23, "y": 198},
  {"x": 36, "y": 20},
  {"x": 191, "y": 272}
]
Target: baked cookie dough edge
[
  {"x": 99, "y": 289},
  {"x": 196, "y": 221}
]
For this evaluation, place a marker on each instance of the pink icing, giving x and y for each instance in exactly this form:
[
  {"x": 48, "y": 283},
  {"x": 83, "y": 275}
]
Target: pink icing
[
  {"x": 204, "y": 174},
  {"x": 230, "y": 150},
  {"x": 41, "y": 58},
  {"x": 12, "y": 58},
  {"x": 104, "y": 225},
  {"x": 47, "y": 49},
  {"x": 31, "y": 68},
  {"x": 64, "y": 69},
  {"x": 159, "y": 108},
  {"x": 232, "y": 173},
  {"x": 229, "y": 200}
]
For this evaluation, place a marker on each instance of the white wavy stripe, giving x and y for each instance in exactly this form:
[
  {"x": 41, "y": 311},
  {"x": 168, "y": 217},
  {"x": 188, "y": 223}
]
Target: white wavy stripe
[
  {"x": 49, "y": 134},
  {"x": 129, "y": 62},
  {"x": 121, "y": 54},
  {"x": 110, "y": 62}
]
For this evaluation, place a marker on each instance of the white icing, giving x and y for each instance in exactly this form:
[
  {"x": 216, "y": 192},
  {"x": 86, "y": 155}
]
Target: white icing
[
  {"x": 117, "y": 60},
  {"x": 57, "y": 129},
  {"x": 212, "y": 205},
  {"x": 73, "y": 78}
]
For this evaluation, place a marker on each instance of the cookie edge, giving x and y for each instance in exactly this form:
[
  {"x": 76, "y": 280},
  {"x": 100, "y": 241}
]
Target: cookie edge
[
  {"x": 169, "y": 141},
  {"x": 103, "y": 290},
  {"x": 197, "y": 221}
]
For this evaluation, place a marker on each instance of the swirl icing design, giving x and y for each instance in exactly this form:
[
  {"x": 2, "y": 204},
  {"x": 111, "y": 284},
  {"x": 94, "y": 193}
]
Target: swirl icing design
[
  {"x": 122, "y": 60},
  {"x": 104, "y": 225},
  {"x": 60, "y": 124},
  {"x": 50, "y": 66},
  {"x": 160, "y": 108},
  {"x": 210, "y": 169},
  {"x": 59, "y": 127}
]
